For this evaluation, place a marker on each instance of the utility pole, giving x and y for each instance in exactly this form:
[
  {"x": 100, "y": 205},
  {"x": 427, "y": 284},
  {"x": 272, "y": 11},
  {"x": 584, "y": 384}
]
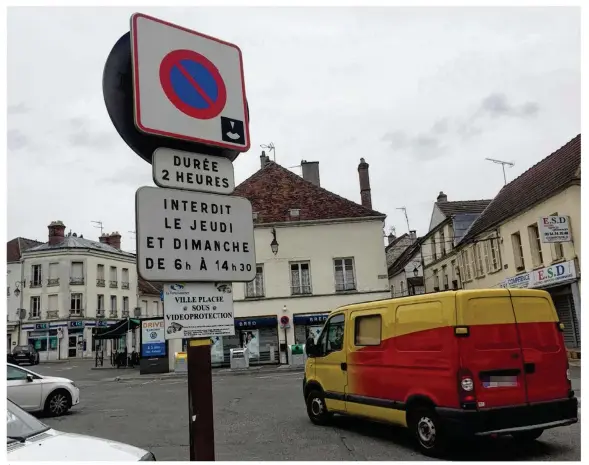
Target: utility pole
[
  {"x": 502, "y": 163},
  {"x": 99, "y": 225},
  {"x": 406, "y": 217}
]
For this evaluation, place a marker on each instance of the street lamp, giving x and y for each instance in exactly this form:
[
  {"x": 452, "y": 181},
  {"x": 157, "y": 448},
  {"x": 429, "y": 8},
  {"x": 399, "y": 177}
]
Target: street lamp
[
  {"x": 415, "y": 272},
  {"x": 274, "y": 243},
  {"x": 16, "y": 285}
]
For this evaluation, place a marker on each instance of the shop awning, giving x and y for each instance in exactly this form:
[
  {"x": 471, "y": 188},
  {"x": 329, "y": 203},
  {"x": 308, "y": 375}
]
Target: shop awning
[{"x": 116, "y": 330}]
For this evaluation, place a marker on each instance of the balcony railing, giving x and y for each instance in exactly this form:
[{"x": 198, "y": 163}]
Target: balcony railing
[
  {"x": 36, "y": 283},
  {"x": 125, "y": 313},
  {"x": 100, "y": 282},
  {"x": 77, "y": 312},
  {"x": 300, "y": 290},
  {"x": 52, "y": 314},
  {"x": 114, "y": 284},
  {"x": 112, "y": 314},
  {"x": 77, "y": 281},
  {"x": 34, "y": 315},
  {"x": 124, "y": 285},
  {"x": 100, "y": 313},
  {"x": 52, "y": 282}
]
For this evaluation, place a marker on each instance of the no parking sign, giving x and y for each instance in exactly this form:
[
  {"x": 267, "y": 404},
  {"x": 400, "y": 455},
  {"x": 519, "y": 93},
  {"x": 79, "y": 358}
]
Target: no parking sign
[{"x": 187, "y": 85}]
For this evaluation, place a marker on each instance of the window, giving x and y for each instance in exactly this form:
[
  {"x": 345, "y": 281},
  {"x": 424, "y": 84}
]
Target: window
[
  {"x": 125, "y": 279},
  {"x": 450, "y": 237},
  {"x": 76, "y": 304},
  {"x": 53, "y": 303},
  {"x": 53, "y": 279},
  {"x": 113, "y": 303},
  {"x": 518, "y": 251},
  {"x": 368, "y": 330},
  {"x": 556, "y": 248},
  {"x": 442, "y": 243},
  {"x": 455, "y": 272},
  {"x": 466, "y": 265},
  {"x": 436, "y": 281},
  {"x": 144, "y": 308},
  {"x": 36, "y": 280},
  {"x": 255, "y": 288},
  {"x": 344, "y": 274},
  {"x": 113, "y": 277},
  {"x": 479, "y": 269},
  {"x": 15, "y": 374},
  {"x": 445, "y": 277},
  {"x": 535, "y": 245},
  {"x": 433, "y": 247},
  {"x": 402, "y": 286},
  {"x": 300, "y": 278},
  {"x": 100, "y": 303},
  {"x": 332, "y": 337},
  {"x": 77, "y": 273},
  {"x": 125, "y": 304},
  {"x": 155, "y": 308},
  {"x": 100, "y": 275},
  {"x": 492, "y": 258},
  {"x": 35, "y": 307}
]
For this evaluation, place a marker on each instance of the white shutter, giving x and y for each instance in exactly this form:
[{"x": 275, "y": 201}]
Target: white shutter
[
  {"x": 52, "y": 303},
  {"x": 77, "y": 270},
  {"x": 486, "y": 248}
]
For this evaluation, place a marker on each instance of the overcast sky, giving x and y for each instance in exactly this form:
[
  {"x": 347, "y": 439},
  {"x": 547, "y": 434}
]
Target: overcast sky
[{"x": 423, "y": 94}]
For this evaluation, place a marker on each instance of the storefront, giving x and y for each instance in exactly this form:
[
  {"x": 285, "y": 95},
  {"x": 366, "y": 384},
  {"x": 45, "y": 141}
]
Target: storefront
[
  {"x": 258, "y": 334},
  {"x": 563, "y": 284},
  {"x": 308, "y": 325},
  {"x": 44, "y": 338}
]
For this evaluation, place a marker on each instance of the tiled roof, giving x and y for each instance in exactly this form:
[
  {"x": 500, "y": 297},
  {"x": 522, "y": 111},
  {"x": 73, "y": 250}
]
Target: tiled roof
[
  {"x": 274, "y": 190},
  {"x": 17, "y": 246},
  {"x": 149, "y": 287},
  {"x": 544, "y": 179},
  {"x": 74, "y": 242},
  {"x": 405, "y": 257},
  {"x": 396, "y": 241},
  {"x": 463, "y": 206}
]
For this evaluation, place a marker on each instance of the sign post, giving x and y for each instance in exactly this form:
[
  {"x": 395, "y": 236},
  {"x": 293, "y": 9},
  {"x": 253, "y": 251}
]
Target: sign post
[{"x": 177, "y": 98}]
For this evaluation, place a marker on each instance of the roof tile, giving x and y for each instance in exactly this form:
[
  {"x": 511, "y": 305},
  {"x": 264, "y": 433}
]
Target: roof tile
[
  {"x": 18, "y": 245},
  {"x": 463, "y": 206}
]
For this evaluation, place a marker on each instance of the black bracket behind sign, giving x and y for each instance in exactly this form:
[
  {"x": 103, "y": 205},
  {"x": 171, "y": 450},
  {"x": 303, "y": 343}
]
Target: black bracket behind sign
[{"x": 117, "y": 88}]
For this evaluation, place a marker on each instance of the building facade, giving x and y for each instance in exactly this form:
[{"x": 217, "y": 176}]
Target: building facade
[
  {"x": 315, "y": 251},
  {"x": 406, "y": 272},
  {"x": 504, "y": 247},
  {"x": 72, "y": 286}
]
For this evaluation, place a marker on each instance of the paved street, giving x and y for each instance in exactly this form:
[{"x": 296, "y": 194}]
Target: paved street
[{"x": 257, "y": 417}]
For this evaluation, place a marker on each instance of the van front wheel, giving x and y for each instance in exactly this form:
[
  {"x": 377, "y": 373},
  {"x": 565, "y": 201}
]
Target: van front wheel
[
  {"x": 316, "y": 408},
  {"x": 426, "y": 428}
]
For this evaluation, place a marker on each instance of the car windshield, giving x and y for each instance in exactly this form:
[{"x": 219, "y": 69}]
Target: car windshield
[
  {"x": 21, "y": 425},
  {"x": 21, "y": 348}
]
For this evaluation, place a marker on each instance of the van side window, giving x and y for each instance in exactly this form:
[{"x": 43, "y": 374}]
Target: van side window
[
  {"x": 368, "y": 330},
  {"x": 335, "y": 334}
]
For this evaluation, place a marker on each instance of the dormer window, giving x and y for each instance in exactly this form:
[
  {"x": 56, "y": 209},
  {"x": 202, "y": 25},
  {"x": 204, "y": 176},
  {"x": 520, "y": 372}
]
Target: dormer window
[{"x": 294, "y": 212}]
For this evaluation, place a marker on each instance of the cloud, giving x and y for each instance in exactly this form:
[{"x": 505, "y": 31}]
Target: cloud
[
  {"x": 84, "y": 135},
  {"x": 19, "y": 109},
  {"x": 432, "y": 143},
  {"x": 16, "y": 140}
]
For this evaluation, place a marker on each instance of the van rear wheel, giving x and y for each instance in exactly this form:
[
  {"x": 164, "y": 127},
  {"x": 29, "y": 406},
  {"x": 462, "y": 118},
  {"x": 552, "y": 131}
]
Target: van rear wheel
[
  {"x": 426, "y": 428},
  {"x": 316, "y": 408},
  {"x": 527, "y": 436}
]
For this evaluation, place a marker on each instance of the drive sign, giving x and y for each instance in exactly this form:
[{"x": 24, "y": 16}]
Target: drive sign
[{"x": 187, "y": 85}]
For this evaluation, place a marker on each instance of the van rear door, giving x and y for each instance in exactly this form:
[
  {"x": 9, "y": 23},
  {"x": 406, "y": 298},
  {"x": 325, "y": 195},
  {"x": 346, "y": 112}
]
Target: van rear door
[
  {"x": 544, "y": 354},
  {"x": 490, "y": 350}
]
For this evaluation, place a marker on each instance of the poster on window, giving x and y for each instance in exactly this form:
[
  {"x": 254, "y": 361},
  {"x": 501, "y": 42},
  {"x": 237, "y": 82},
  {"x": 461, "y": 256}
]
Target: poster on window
[
  {"x": 250, "y": 339},
  {"x": 314, "y": 332},
  {"x": 217, "y": 355}
]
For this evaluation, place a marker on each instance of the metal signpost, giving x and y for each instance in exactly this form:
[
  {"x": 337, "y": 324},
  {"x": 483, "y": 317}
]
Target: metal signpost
[{"x": 177, "y": 98}]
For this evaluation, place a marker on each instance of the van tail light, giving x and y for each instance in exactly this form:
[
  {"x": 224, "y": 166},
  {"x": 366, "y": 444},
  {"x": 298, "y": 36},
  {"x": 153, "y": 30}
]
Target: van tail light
[{"x": 466, "y": 389}]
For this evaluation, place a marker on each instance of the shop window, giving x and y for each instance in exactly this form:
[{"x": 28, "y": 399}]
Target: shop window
[
  {"x": 535, "y": 245},
  {"x": 300, "y": 278},
  {"x": 518, "y": 251},
  {"x": 255, "y": 288},
  {"x": 345, "y": 279},
  {"x": 368, "y": 330}
]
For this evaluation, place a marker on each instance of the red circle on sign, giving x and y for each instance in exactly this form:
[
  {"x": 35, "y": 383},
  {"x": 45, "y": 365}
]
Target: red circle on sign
[
  {"x": 173, "y": 59},
  {"x": 284, "y": 320}
]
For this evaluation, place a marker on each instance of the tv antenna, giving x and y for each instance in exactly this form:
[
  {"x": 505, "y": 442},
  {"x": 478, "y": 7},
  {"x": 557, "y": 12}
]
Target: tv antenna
[
  {"x": 99, "y": 225},
  {"x": 271, "y": 148},
  {"x": 502, "y": 163},
  {"x": 406, "y": 217}
]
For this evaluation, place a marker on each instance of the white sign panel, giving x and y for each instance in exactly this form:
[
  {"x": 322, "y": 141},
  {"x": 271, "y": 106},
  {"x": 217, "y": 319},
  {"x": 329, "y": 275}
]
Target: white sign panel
[
  {"x": 191, "y": 236},
  {"x": 554, "y": 229},
  {"x": 198, "y": 310},
  {"x": 153, "y": 341},
  {"x": 192, "y": 171},
  {"x": 188, "y": 85},
  {"x": 543, "y": 277}
]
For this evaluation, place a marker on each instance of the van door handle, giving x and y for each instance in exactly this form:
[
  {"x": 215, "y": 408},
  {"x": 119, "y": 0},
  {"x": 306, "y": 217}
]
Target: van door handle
[{"x": 344, "y": 366}]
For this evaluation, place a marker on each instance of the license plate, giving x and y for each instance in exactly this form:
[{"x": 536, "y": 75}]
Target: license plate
[{"x": 500, "y": 381}]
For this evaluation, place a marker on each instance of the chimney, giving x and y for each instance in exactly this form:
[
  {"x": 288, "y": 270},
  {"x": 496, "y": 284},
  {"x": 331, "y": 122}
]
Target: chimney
[
  {"x": 364, "y": 184},
  {"x": 442, "y": 197},
  {"x": 114, "y": 240},
  {"x": 56, "y": 232},
  {"x": 311, "y": 171},
  {"x": 413, "y": 235},
  {"x": 391, "y": 237},
  {"x": 264, "y": 159},
  {"x": 103, "y": 239}
]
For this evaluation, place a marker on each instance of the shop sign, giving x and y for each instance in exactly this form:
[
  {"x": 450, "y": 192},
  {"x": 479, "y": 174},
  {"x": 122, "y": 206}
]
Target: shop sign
[
  {"x": 256, "y": 322},
  {"x": 76, "y": 324},
  {"x": 41, "y": 326},
  {"x": 554, "y": 229},
  {"x": 317, "y": 319},
  {"x": 543, "y": 277},
  {"x": 153, "y": 341}
]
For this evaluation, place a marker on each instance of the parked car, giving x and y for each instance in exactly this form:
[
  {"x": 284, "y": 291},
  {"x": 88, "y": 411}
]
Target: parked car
[
  {"x": 34, "y": 392},
  {"x": 448, "y": 365},
  {"x": 11, "y": 359},
  {"x": 30, "y": 440},
  {"x": 26, "y": 354}
]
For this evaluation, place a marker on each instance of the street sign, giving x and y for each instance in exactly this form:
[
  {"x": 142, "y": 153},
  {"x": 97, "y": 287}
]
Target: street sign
[
  {"x": 192, "y": 236},
  {"x": 198, "y": 310},
  {"x": 192, "y": 171},
  {"x": 188, "y": 85}
]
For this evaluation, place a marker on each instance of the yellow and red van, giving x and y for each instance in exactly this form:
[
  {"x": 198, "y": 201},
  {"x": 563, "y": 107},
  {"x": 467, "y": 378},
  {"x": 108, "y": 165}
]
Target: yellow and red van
[{"x": 446, "y": 365}]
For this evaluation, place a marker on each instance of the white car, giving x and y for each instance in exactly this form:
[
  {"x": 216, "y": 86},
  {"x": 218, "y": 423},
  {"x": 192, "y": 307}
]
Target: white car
[
  {"x": 30, "y": 440},
  {"x": 34, "y": 392}
]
